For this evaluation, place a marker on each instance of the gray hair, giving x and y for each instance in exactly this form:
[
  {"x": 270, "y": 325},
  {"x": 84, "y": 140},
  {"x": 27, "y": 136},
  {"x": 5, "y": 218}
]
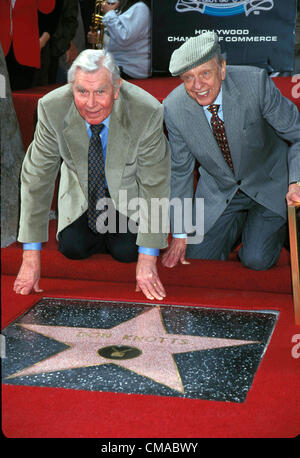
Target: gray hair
[{"x": 91, "y": 60}]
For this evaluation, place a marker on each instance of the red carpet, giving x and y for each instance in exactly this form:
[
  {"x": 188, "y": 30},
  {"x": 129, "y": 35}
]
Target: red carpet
[
  {"x": 208, "y": 274},
  {"x": 272, "y": 407}
]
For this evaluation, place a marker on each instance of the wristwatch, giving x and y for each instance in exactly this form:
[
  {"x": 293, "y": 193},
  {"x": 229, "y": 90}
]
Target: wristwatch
[{"x": 296, "y": 182}]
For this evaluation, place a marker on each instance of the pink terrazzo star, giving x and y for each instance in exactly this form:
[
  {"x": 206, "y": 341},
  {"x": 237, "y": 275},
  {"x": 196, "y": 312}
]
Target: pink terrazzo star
[{"x": 145, "y": 332}]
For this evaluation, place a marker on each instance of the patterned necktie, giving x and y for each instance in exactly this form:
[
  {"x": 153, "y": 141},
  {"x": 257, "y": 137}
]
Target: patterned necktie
[
  {"x": 219, "y": 132},
  {"x": 96, "y": 177}
]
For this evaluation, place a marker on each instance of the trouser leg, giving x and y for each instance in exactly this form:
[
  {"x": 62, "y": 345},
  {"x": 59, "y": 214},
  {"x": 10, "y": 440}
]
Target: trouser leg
[
  {"x": 77, "y": 241},
  {"x": 122, "y": 245},
  {"x": 220, "y": 239},
  {"x": 262, "y": 234},
  {"x": 262, "y": 239}
]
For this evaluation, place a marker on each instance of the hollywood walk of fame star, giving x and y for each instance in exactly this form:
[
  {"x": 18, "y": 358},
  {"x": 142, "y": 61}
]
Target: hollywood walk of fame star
[{"x": 140, "y": 344}]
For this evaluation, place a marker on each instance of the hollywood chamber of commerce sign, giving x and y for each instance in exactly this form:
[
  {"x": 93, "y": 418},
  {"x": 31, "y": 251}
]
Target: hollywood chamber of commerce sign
[{"x": 251, "y": 32}]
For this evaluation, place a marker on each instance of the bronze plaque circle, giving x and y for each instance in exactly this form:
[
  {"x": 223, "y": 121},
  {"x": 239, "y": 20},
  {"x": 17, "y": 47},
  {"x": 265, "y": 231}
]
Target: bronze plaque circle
[{"x": 119, "y": 352}]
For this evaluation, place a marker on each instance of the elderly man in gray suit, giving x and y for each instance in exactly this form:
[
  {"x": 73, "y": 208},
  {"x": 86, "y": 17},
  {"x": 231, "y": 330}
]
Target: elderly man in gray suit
[
  {"x": 105, "y": 137},
  {"x": 245, "y": 136}
]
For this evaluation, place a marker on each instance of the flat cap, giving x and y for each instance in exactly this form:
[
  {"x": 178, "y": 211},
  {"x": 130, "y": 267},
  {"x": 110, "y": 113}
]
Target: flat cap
[{"x": 195, "y": 51}]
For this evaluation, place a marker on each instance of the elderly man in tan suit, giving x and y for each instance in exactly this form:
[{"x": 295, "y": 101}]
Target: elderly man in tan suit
[{"x": 135, "y": 165}]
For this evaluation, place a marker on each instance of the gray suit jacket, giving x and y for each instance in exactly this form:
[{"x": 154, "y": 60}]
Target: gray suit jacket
[
  {"x": 137, "y": 161},
  {"x": 258, "y": 121}
]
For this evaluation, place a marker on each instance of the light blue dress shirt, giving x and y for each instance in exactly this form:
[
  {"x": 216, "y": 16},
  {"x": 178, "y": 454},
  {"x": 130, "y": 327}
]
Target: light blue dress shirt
[
  {"x": 218, "y": 101},
  {"x": 104, "y": 137},
  {"x": 208, "y": 115}
]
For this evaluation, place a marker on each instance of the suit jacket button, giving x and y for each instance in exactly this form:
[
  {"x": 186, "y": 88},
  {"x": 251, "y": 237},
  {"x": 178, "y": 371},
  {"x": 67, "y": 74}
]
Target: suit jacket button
[{"x": 238, "y": 182}]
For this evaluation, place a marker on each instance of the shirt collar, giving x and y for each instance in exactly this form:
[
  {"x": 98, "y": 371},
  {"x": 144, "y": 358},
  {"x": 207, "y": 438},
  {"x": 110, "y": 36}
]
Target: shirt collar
[
  {"x": 105, "y": 122},
  {"x": 218, "y": 100}
]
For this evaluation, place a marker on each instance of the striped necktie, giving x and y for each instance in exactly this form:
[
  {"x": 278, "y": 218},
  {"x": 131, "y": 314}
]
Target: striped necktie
[
  {"x": 219, "y": 132},
  {"x": 96, "y": 175}
]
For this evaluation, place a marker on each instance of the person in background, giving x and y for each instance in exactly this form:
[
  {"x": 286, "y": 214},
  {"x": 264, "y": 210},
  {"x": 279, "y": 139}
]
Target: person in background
[
  {"x": 48, "y": 24},
  {"x": 20, "y": 40},
  {"x": 127, "y": 36},
  {"x": 87, "y": 8},
  {"x": 62, "y": 47},
  {"x": 78, "y": 44}
]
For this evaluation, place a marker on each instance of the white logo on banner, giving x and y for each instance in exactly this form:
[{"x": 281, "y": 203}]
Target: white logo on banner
[{"x": 224, "y": 7}]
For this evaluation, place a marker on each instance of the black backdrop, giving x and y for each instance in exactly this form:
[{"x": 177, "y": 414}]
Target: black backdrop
[{"x": 251, "y": 32}]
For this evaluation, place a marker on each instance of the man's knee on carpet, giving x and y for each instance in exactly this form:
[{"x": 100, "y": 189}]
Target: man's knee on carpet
[
  {"x": 123, "y": 252},
  {"x": 258, "y": 260},
  {"x": 73, "y": 252},
  {"x": 264, "y": 253},
  {"x": 76, "y": 245}
]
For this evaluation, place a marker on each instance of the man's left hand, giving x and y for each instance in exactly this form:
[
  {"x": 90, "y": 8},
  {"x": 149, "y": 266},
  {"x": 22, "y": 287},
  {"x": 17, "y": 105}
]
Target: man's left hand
[
  {"x": 147, "y": 279},
  {"x": 293, "y": 194}
]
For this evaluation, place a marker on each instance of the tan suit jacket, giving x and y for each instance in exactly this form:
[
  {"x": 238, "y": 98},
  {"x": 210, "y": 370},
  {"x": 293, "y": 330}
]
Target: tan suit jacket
[{"x": 137, "y": 161}]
